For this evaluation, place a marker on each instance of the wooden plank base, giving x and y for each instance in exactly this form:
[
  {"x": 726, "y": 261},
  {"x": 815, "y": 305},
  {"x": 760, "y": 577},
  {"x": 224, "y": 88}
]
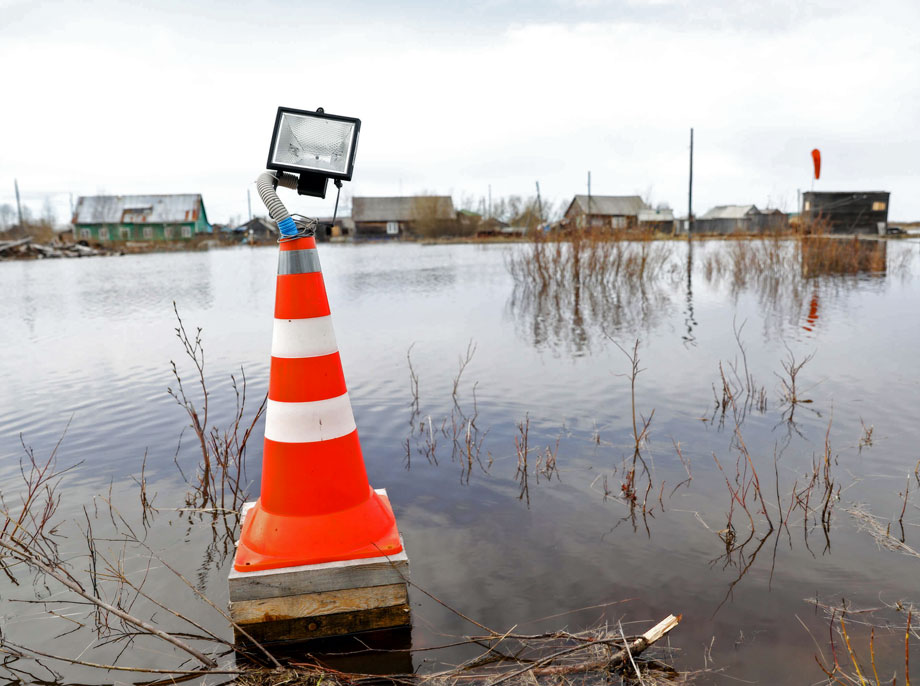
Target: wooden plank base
[
  {"x": 322, "y": 600},
  {"x": 318, "y": 604},
  {"x": 306, "y": 628}
]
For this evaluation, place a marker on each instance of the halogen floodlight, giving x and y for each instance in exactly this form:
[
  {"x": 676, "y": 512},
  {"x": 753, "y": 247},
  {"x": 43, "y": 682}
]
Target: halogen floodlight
[{"x": 316, "y": 145}]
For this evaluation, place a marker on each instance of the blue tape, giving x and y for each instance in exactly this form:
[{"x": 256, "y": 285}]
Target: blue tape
[{"x": 287, "y": 227}]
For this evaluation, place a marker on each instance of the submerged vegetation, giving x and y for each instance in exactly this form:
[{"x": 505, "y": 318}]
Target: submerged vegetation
[
  {"x": 122, "y": 598},
  {"x": 768, "y": 469},
  {"x": 571, "y": 288}
]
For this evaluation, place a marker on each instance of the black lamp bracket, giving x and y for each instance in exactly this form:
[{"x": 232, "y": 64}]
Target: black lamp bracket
[{"x": 311, "y": 183}]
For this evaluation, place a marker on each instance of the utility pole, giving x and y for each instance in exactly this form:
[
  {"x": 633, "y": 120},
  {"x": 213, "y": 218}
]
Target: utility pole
[
  {"x": 690, "y": 192},
  {"x": 249, "y": 203},
  {"x": 539, "y": 203},
  {"x": 18, "y": 204},
  {"x": 589, "y": 195},
  {"x": 489, "y": 211}
]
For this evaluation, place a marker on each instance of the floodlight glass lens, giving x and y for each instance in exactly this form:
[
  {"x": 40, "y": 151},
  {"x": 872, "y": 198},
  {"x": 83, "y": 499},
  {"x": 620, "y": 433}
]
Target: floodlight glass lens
[{"x": 314, "y": 143}]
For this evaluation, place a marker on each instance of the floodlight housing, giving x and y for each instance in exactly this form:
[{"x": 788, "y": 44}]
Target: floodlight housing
[{"x": 314, "y": 144}]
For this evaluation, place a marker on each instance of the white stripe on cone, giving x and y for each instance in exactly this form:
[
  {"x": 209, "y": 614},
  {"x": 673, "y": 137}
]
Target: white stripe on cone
[
  {"x": 320, "y": 420},
  {"x": 303, "y": 337}
]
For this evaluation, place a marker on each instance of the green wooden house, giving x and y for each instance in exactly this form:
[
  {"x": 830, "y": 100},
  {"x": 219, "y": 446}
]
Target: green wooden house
[{"x": 121, "y": 218}]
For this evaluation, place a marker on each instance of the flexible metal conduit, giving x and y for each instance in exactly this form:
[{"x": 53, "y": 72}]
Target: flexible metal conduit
[{"x": 265, "y": 184}]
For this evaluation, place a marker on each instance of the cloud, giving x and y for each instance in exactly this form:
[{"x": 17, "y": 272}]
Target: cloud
[{"x": 158, "y": 100}]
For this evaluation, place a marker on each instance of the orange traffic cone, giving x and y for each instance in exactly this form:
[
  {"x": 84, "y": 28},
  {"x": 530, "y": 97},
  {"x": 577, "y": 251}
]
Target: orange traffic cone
[{"x": 316, "y": 504}]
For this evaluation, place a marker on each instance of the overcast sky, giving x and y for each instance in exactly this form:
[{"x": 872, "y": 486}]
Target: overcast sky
[{"x": 180, "y": 97}]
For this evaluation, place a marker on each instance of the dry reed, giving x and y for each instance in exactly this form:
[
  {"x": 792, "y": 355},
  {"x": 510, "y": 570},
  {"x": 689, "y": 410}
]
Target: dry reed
[{"x": 567, "y": 286}]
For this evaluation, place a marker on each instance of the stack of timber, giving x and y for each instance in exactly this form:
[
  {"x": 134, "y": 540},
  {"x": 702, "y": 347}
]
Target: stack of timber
[
  {"x": 321, "y": 600},
  {"x": 26, "y": 249}
]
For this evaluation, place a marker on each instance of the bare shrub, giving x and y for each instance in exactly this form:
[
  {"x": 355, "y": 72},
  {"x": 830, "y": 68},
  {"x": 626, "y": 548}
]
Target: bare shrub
[{"x": 221, "y": 474}]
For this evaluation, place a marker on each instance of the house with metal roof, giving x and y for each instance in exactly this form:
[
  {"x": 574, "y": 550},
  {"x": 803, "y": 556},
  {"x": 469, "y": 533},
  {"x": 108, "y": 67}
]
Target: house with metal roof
[
  {"x": 728, "y": 219},
  {"x": 399, "y": 216},
  {"x": 661, "y": 219},
  {"x": 121, "y": 218},
  {"x": 604, "y": 212}
]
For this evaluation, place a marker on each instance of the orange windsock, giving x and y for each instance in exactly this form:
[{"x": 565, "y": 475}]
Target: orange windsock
[
  {"x": 316, "y": 504},
  {"x": 816, "y": 157}
]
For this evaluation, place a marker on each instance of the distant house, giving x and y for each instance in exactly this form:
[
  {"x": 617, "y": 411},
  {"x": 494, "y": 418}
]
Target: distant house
[
  {"x": 114, "y": 218},
  {"x": 468, "y": 221},
  {"x": 394, "y": 217},
  {"x": 656, "y": 220},
  {"x": 258, "y": 230},
  {"x": 729, "y": 219},
  {"x": 848, "y": 212},
  {"x": 604, "y": 211},
  {"x": 491, "y": 226},
  {"x": 342, "y": 229},
  {"x": 773, "y": 221}
]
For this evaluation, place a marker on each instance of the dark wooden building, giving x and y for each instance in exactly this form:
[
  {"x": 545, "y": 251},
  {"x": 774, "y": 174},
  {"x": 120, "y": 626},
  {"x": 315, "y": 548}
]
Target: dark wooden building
[
  {"x": 773, "y": 221},
  {"x": 603, "y": 212},
  {"x": 395, "y": 217},
  {"x": 848, "y": 211},
  {"x": 258, "y": 230}
]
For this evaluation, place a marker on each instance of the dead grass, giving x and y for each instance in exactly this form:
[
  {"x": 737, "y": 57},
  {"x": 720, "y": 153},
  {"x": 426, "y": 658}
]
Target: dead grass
[
  {"x": 606, "y": 259},
  {"x": 569, "y": 287}
]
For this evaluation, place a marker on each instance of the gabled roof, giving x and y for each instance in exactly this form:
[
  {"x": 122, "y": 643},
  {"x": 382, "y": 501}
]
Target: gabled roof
[
  {"x": 663, "y": 215},
  {"x": 160, "y": 209},
  {"x": 609, "y": 205},
  {"x": 731, "y": 212},
  {"x": 258, "y": 224},
  {"x": 401, "y": 208}
]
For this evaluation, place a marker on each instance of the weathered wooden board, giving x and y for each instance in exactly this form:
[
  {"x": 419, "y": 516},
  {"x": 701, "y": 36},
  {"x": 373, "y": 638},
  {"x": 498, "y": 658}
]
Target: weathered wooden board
[
  {"x": 327, "y": 625},
  {"x": 316, "y": 604},
  {"x": 329, "y": 576}
]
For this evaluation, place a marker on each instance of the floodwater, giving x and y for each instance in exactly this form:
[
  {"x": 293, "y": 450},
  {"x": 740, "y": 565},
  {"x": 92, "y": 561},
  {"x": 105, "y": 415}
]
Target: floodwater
[{"x": 87, "y": 344}]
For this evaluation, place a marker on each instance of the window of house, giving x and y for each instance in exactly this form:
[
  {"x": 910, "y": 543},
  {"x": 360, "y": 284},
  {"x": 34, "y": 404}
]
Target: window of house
[
  {"x": 125, "y": 233},
  {"x": 597, "y": 221},
  {"x": 167, "y": 232},
  {"x": 392, "y": 228},
  {"x": 618, "y": 222},
  {"x": 86, "y": 234},
  {"x": 186, "y": 231},
  {"x": 104, "y": 233},
  {"x": 879, "y": 206},
  {"x": 807, "y": 205},
  {"x": 148, "y": 232}
]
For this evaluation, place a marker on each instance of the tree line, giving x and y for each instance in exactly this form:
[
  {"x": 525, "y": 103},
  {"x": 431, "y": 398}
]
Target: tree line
[
  {"x": 431, "y": 217},
  {"x": 39, "y": 227}
]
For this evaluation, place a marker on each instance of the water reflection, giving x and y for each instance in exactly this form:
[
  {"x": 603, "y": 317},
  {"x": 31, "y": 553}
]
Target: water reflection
[
  {"x": 144, "y": 283},
  {"x": 575, "y": 320},
  {"x": 794, "y": 280},
  {"x": 571, "y": 290},
  {"x": 428, "y": 280},
  {"x": 561, "y": 552},
  {"x": 824, "y": 256},
  {"x": 689, "y": 318}
]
